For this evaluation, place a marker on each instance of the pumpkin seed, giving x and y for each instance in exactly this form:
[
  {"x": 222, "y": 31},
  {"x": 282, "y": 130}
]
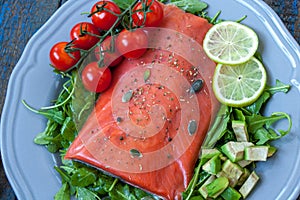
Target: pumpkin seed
[
  {"x": 135, "y": 153},
  {"x": 147, "y": 74},
  {"x": 127, "y": 96},
  {"x": 192, "y": 127},
  {"x": 197, "y": 86}
]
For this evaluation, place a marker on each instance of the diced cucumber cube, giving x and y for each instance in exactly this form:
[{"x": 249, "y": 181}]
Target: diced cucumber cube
[
  {"x": 271, "y": 151},
  {"x": 244, "y": 176},
  {"x": 213, "y": 166},
  {"x": 232, "y": 171},
  {"x": 249, "y": 184},
  {"x": 256, "y": 153},
  {"x": 207, "y": 154},
  {"x": 202, "y": 189},
  {"x": 231, "y": 194},
  {"x": 240, "y": 131},
  {"x": 244, "y": 163},
  {"x": 217, "y": 186},
  {"x": 235, "y": 150}
]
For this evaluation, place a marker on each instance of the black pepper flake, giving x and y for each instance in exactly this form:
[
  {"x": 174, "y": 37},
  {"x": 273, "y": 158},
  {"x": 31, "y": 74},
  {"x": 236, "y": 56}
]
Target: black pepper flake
[
  {"x": 119, "y": 119},
  {"x": 160, "y": 87},
  {"x": 197, "y": 86},
  {"x": 121, "y": 138},
  {"x": 192, "y": 127},
  {"x": 135, "y": 153},
  {"x": 169, "y": 139}
]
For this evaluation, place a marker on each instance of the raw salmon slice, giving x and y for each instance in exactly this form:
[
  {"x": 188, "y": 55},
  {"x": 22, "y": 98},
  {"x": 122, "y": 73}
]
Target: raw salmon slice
[{"x": 147, "y": 129}]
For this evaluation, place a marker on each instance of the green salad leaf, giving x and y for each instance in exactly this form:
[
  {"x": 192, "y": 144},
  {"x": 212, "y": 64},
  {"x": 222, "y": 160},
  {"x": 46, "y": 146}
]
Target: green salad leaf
[
  {"x": 191, "y": 6},
  {"x": 124, "y": 4},
  {"x": 63, "y": 193}
]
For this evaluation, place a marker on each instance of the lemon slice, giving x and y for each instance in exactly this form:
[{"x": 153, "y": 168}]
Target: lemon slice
[
  {"x": 239, "y": 85},
  {"x": 230, "y": 43}
]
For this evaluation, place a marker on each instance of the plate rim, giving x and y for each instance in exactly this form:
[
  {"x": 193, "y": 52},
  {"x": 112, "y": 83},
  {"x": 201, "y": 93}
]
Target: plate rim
[{"x": 19, "y": 70}]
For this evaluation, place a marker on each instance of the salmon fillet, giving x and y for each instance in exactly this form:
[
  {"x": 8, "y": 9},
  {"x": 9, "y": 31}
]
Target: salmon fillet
[{"x": 148, "y": 127}]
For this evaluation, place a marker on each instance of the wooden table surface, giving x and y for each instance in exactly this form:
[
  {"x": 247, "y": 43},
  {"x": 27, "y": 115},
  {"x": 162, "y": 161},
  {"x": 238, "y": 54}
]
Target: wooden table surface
[{"x": 20, "y": 19}]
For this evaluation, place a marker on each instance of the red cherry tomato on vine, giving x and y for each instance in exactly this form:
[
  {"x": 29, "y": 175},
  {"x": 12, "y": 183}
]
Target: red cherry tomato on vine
[
  {"x": 61, "y": 59},
  {"x": 132, "y": 44},
  {"x": 153, "y": 18},
  {"x": 95, "y": 78},
  {"x": 110, "y": 54},
  {"x": 82, "y": 35},
  {"x": 104, "y": 19}
]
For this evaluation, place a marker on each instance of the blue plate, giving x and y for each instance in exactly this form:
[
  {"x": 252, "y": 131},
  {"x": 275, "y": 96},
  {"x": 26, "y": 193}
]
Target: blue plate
[{"x": 29, "y": 167}]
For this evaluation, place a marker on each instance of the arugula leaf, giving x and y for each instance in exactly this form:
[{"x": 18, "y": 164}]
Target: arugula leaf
[
  {"x": 191, "y": 6},
  {"x": 219, "y": 127},
  {"x": 83, "y": 177},
  {"x": 123, "y": 4},
  {"x": 262, "y": 136},
  {"x": 257, "y": 105},
  {"x": 45, "y": 137},
  {"x": 63, "y": 193},
  {"x": 64, "y": 176},
  {"x": 269, "y": 91},
  {"x": 255, "y": 122},
  {"x": 238, "y": 114},
  {"x": 140, "y": 194},
  {"x": 279, "y": 87},
  {"x": 68, "y": 129},
  {"x": 85, "y": 194},
  {"x": 82, "y": 103},
  {"x": 51, "y": 114},
  {"x": 122, "y": 193}
]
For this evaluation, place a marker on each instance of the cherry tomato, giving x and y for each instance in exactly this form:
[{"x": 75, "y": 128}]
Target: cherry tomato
[
  {"x": 104, "y": 19},
  {"x": 132, "y": 44},
  {"x": 61, "y": 59},
  {"x": 110, "y": 54},
  {"x": 153, "y": 18},
  {"x": 82, "y": 35},
  {"x": 95, "y": 78}
]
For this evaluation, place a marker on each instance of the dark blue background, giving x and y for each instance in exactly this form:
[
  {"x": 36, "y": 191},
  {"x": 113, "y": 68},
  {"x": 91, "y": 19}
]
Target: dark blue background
[{"x": 20, "y": 19}]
